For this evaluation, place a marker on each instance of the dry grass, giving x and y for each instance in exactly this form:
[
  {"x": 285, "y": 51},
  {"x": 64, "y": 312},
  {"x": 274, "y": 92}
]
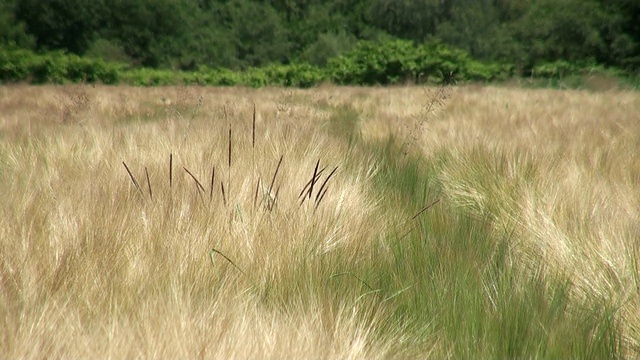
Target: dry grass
[{"x": 93, "y": 266}]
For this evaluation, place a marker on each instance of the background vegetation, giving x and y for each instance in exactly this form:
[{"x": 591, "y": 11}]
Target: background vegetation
[{"x": 383, "y": 41}]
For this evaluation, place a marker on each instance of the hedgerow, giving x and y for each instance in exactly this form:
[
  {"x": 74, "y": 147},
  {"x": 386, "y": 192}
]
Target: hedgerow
[{"x": 369, "y": 63}]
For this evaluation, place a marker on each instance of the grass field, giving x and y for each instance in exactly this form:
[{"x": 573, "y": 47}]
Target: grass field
[{"x": 340, "y": 223}]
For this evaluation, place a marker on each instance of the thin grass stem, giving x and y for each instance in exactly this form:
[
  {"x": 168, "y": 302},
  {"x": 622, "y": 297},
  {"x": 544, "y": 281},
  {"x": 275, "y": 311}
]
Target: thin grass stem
[
  {"x": 325, "y": 184},
  {"x": 133, "y": 178},
  {"x": 214, "y": 251},
  {"x": 148, "y": 183}
]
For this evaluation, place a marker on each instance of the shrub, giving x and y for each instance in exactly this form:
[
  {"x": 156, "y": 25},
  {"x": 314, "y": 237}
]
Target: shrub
[
  {"x": 50, "y": 68},
  {"x": 555, "y": 70},
  {"x": 17, "y": 65},
  {"x": 397, "y": 61},
  {"x": 149, "y": 77}
]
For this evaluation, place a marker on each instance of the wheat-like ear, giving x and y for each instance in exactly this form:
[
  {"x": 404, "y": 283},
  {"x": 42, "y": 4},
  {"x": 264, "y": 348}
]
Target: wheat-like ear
[
  {"x": 133, "y": 178},
  {"x": 320, "y": 194},
  {"x": 170, "y": 170},
  {"x": 253, "y": 128},
  {"x": 313, "y": 178},
  {"x": 255, "y": 196},
  {"x": 229, "y": 152},
  {"x": 306, "y": 186},
  {"x": 224, "y": 196},
  {"x": 273, "y": 180},
  {"x": 213, "y": 177},
  {"x": 214, "y": 251},
  {"x": 229, "y": 166},
  {"x": 148, "y": 183},
  {"x": 198, "y": 184},
  {"x": 425, "y": 209}
]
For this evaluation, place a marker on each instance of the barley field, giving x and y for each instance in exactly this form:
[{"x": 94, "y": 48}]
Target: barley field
[{"x": 330, "y": 223}]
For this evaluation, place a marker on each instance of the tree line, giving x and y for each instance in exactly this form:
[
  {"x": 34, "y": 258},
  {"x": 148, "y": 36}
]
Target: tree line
[{"x": 239, "y": 34}]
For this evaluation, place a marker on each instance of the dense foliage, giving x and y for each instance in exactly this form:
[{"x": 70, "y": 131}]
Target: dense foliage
[
  {"x": 55, "y": 67},
  {"x": 370, "y": 63},
  {"x": 352, "y": 41}
]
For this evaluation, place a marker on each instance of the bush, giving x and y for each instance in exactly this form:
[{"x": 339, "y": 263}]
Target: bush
[
  {"x": 295, "y": 75},
  {"x": 373, "y": 63},
  {"x": 149, "y": 77},
  {"x": 555, "y": 70},
  {"x": 18, "y": 65},
  {"x": 477, "y": 71},
  {"x": 51, "y": 68},
  {"x": 15, "y": 65},
  {"x": 90, "y": 70},
  {"x": 397, "y": 61}
]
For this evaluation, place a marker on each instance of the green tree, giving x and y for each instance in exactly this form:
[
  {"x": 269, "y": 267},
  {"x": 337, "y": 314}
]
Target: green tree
[
  {"x": 61, "y": 24},
  {"x": 149, "y": 31},
  {"x": 407, "y": 19},
  {"x": 12, "y": 31},
  {"x": 623, "y": 33},
  {"x": 481, "y": 28},
  {"x": 327, "y": 46},
  {"x": 571, "y": 30},
  {"x": 210, "y": 40},
  {"x": 258, "y": 34}
]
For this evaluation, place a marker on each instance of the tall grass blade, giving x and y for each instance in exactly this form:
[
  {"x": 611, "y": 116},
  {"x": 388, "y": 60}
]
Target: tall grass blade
[
  {"x": 148, "y": 183},
  {"x": 133, "y": 179},
  {"x": 229, "y": 147},
  {"x": 425, "y": 209},
  {"x": 255, "y": 196},
  {"x": 306, "y": 186},
  {"x": 213, "y": 177},
  {"x": 224, "y": 196},
  {"x": 349, "y": 273},
  {"x": 198, "y": 184},
  {"x": 214, "y": 251},
  {"x": 275, "y": 173},
  {"x": 314, "y": 179},
  {"x": 324, "y": 184},
  {"x": 229, "y": 166}
]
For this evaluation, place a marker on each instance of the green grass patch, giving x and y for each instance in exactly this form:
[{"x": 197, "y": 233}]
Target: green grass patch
[{"x": 454, "y": 277}]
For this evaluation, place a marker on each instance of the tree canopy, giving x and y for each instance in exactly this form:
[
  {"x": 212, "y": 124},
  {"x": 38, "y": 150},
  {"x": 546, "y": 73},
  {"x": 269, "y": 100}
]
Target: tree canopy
[{"x": 236, "y": 34}]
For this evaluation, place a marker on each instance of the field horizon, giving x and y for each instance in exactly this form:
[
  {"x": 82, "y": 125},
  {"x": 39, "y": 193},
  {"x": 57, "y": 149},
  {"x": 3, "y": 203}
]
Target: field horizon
[{"x": 334, "y": 222}]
